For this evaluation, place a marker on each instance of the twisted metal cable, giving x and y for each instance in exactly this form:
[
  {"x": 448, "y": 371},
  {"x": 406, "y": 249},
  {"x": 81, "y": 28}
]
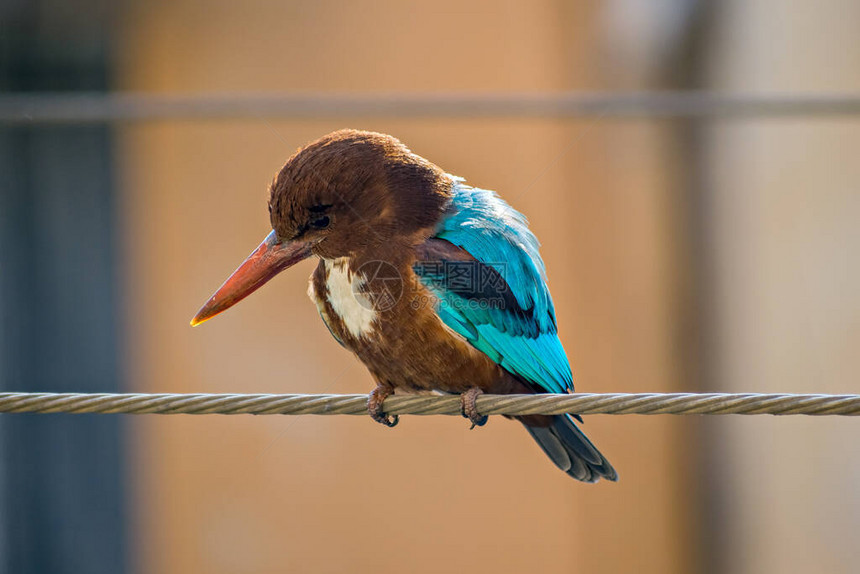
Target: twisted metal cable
[
  {"x": 88, "y": 108},
  {"x": 579, "y": 403}
]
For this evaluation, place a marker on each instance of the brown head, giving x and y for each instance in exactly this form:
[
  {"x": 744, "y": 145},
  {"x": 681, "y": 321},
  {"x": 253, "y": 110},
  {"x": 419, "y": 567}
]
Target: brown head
[{"x": 349, "y": 192}]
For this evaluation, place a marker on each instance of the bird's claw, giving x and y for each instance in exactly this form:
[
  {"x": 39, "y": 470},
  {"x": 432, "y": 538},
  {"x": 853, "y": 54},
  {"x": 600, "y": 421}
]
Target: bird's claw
[
  {"x": 469, "y": 407},
  {"x": 374, "y": 407}
]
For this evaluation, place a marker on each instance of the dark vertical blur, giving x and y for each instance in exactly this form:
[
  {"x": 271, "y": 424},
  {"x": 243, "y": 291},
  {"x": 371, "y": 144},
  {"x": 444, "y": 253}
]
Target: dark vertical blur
[
  {"x": 686, "y": 69},
  {"x": 61, "y": 502}
]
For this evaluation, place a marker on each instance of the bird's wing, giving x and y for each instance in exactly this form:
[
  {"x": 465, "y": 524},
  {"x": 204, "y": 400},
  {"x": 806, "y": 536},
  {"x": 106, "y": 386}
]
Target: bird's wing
[{"x": 483, "y": 266}]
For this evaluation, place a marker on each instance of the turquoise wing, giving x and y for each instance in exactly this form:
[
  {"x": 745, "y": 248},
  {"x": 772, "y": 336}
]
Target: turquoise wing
[{"x": 484, "y": 267}]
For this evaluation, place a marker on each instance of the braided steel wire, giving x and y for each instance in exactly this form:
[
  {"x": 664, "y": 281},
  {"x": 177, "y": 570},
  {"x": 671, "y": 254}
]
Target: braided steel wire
[{"x": 578, "y": 403}]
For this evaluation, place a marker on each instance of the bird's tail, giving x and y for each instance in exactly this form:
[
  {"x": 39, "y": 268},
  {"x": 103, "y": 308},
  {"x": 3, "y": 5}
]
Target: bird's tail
[{"x": 570, "y": 449}]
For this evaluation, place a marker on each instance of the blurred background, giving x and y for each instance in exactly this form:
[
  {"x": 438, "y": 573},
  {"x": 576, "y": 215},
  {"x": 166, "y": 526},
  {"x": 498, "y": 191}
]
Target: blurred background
[{"x": 685, "y": 254}]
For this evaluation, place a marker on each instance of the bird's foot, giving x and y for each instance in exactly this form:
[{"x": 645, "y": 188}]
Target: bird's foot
[
  {"x": 469, "y": 407},
  {"x": 374, "y": 406}
]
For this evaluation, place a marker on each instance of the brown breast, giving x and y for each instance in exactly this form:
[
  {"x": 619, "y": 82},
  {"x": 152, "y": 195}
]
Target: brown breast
[{"x": 380, "y": 311}]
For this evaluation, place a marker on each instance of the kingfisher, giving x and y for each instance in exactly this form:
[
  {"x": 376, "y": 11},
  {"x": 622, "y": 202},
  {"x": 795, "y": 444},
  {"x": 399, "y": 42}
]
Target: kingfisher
[{"x": 435, "y": 285}]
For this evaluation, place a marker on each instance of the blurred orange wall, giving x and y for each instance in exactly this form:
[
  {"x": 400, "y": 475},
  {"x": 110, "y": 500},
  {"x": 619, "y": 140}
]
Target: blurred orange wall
[{"x": 333, "y": 494}]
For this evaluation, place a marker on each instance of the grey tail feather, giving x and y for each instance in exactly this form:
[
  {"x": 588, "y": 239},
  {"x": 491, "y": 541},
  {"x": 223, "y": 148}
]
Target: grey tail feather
[{"x": 571, "y": 451}]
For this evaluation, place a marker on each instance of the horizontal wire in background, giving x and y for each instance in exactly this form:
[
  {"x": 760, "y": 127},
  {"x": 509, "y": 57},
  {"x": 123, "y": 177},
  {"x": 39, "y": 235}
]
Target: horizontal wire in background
[
  {"x": 89, "y": 108},
  {"x": 579, "y": 403}
]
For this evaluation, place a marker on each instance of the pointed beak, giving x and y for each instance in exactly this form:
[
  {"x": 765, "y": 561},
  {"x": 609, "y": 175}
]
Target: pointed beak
[{"x": 269, "y": 259}]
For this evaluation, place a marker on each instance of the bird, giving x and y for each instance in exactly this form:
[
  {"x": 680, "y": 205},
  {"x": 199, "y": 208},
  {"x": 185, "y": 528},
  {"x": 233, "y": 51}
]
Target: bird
[{"x": 434, "y": 284}]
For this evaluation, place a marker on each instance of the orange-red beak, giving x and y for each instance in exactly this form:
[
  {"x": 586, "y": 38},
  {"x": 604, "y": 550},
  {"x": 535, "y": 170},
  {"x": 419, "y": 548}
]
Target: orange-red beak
[{"x": 269, "y": 259}]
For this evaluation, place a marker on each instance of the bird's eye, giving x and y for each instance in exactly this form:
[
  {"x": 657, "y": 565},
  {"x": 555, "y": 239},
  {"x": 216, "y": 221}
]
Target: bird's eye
[{"x": 321, "y": 222}]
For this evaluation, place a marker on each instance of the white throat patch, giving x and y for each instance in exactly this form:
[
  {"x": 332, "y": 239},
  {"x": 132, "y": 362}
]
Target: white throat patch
[{"x": 346, "y": 298}]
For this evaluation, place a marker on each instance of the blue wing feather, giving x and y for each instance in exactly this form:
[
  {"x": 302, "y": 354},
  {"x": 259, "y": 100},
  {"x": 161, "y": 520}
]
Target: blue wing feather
[{"x": 509, "y": 316}]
